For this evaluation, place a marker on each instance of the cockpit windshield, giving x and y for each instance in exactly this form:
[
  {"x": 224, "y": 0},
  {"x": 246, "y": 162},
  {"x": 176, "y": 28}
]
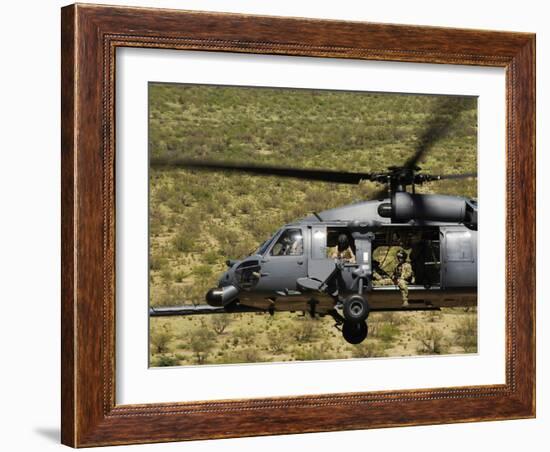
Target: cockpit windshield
[{"x": 264, "y": 246}]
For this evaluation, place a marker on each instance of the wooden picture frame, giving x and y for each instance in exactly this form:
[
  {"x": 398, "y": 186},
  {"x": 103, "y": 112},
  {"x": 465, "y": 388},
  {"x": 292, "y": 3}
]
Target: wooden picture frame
[{"x": 90, "y": 36}]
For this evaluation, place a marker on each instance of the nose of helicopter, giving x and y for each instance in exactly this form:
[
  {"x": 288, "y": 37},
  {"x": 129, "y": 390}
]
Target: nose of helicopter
[{"x": 222, "y": 296}]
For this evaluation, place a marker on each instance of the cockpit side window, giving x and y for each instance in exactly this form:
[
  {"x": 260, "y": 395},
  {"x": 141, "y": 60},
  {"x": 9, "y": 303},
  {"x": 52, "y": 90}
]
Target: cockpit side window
[{"x": 290, "y": 243}]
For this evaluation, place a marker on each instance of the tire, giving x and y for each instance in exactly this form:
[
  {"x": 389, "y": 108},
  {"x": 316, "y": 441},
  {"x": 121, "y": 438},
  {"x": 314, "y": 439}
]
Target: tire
[
  {"x": 355, "y": 333},
  {"x": 356, "y": 309}
]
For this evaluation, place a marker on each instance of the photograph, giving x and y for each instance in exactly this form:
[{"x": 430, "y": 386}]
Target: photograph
[{"x": 294, "y": 224}]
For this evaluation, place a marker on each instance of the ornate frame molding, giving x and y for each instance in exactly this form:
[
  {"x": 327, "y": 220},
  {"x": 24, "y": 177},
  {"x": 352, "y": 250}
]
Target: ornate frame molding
[{"x": 90, "y": 37}]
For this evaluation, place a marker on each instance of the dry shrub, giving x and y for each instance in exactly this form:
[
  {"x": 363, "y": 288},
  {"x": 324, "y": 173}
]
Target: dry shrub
[
  {"x": 368, "y": 349},
  {"x": 201, "y": 341},
  {"x": 432, "y": 341},
  {"x": 277, "y": 340},
  {"x": 160, "y": 338},
  {"x": 304, "y": 329},
  {"x": 465, "y": 333},
  {"x": 219, "y": 322}
]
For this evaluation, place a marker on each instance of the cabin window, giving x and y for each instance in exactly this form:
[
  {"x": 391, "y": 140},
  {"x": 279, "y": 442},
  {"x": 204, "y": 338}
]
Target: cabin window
[
  {"x": 290, "y": 243},
  {"x": 458, "y": 246},
  {"x": 318, "y": 242}
]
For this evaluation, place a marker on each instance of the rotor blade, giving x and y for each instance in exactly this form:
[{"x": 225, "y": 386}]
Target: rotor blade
[
  {"x": 200, "y": 309},
  {"x": 443, "y": 116},
  {"x": 265, "y": 170},
  {"x": 456, "y": 176}
]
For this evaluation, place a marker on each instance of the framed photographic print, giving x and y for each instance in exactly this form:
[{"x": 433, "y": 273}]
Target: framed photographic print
[{"x": 280, "y": 225}]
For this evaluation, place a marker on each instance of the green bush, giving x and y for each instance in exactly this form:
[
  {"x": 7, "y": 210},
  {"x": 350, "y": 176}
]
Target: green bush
[
  {"x": 387, "y": 332},
  {"x": 245, "y": 335},
  {"x": 212, "y": 257},
  {"x": 184, "y": 242},
  {"x": 201, "y": 342},
  {"x": 164, "y": 361},
  {"x": 202, "y": 271},
  {"x": 156, "y": 262}
]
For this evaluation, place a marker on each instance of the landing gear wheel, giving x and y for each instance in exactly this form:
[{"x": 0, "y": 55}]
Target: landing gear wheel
[
  {"x": 356, "y": 309},
  {"x": 355, "y": 332}
]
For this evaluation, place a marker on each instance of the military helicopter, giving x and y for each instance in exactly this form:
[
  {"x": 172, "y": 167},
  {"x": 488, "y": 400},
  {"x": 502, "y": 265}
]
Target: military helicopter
[{"x": 293, "y": 270}]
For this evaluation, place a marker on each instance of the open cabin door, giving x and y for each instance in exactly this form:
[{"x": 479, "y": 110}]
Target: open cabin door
[{"x": 422, "y": 244}]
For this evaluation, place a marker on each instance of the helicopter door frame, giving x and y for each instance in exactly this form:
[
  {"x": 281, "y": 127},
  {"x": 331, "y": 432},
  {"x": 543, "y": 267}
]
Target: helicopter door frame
[{"x": 319, "y": 266}]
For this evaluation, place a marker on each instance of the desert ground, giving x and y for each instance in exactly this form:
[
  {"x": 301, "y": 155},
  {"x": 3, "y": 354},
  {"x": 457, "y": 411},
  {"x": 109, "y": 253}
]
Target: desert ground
[{"x": 256, "y": 337}]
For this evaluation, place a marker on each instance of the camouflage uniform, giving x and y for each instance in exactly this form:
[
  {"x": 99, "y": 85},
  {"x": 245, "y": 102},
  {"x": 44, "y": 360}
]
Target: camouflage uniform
[
  {"x": 379, "y": 280},
  {"x": 379, "y": 276},
  {"x": 402, "y": 275},
  {"x": 346, "y": 255}
]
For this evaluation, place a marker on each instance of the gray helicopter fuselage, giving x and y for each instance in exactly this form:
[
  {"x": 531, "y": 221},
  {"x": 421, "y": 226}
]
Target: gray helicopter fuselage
[{"x": 270, "y": 280}]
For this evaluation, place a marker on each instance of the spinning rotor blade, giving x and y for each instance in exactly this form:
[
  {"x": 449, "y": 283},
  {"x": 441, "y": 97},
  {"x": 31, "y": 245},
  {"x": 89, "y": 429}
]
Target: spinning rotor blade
[
  {"x": 304, "y": 174},
  {"x": 421, "y": 178},
  {"x": 437, "y": 128},
  {"x": 384, "y": 192},
  {"x": 456, "y": 176}
]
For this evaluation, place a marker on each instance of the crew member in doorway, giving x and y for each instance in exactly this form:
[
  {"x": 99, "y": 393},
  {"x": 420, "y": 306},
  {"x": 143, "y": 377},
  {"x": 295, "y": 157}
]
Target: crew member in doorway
[
  {"x": 342, "y": 251},
  {"x": 402, "y": 276}
]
